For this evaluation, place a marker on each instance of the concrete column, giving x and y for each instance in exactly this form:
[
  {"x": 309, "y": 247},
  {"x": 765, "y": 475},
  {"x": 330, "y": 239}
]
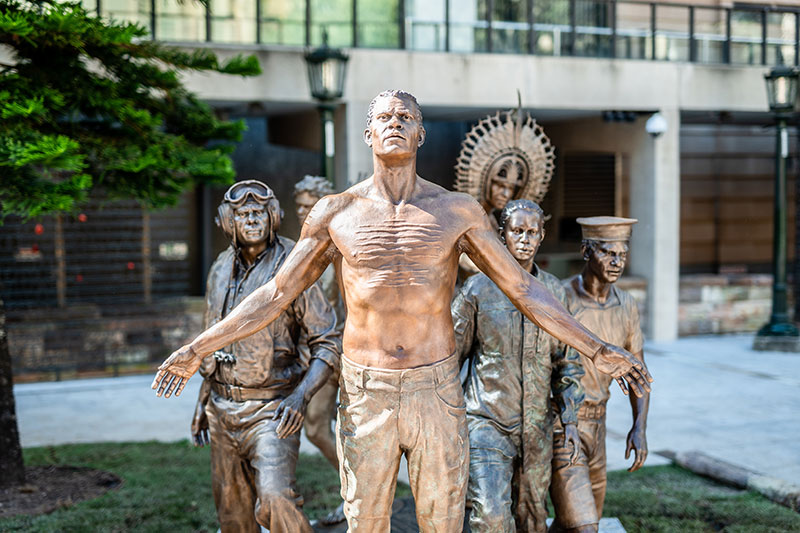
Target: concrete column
[
  {"x": 359, "y": 156},
  {"x": 655, "y": 201}
]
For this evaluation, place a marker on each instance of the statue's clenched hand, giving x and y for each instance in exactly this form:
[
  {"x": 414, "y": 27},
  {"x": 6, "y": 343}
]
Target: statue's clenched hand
[
  {"x": 630, "y": 372},
  {"x": 175, "y": 371}
]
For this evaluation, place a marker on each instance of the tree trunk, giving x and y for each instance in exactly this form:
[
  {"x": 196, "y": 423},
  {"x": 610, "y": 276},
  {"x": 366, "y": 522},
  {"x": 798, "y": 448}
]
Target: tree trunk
[{"x": 12, "y": 470}]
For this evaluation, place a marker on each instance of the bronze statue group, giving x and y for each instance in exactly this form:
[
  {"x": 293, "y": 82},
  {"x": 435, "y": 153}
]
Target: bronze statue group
[{"x": 385, "y": 325}]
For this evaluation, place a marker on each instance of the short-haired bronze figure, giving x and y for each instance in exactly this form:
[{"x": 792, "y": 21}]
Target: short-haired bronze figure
[
  {"x": 513, "y": 367},
  {"x": 322, "y": 407},
  {"x": 255, "y": 389},
  {"x": 398, "y": 238},
  {"x": 578, "y": 488}
]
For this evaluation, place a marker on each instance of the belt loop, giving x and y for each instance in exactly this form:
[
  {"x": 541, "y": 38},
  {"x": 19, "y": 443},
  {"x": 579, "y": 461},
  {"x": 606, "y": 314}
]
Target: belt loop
[
  {"x": 438, "y": 374},
  {"x": 362, "y": 374}
]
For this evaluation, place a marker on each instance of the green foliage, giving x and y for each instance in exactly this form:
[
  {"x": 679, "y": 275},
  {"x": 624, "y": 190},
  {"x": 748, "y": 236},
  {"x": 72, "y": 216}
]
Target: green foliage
[{"x": 87, "y": 105}]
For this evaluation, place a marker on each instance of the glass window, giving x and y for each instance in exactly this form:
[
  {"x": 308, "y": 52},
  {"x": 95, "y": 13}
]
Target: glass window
[
  {"x": 468, "y": 25},
  {"x": 425, "y": 24},
  {"x": 510, "y": 27},
  {"x": 334, "y": 17},
  {"x": 553, "y": 31},
  {"x": 283, "y": 22},
  {"x": 634, "y": 37},
  {"x": 593, "y": 28},
  {"x": 672, "y": 33},
  {"x": 127, "y": 10},
  {"x": 780, "y": 38},
  {"x": 180, "y": 21},
  {"x": 233, "y": 21},
  {"x": 746, "y": 37},
  {"x": 709, "y": 35},
  {"x": 378, "y": 23}
]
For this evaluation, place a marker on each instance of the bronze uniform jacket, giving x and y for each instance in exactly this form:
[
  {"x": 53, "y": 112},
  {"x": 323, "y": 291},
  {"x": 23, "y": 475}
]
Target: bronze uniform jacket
[{"x": 269, "y": 358}]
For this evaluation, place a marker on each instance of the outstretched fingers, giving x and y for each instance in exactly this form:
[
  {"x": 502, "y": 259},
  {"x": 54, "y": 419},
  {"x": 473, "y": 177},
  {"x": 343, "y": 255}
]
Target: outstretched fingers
[
  {"x": 176, "y": 385},
  {"x": 622, "y": 385}
]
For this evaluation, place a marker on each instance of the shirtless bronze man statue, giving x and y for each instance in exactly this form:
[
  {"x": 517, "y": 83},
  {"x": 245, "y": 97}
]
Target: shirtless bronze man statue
[
  {"x": 398, "y": 238},
  {"x": 578, "y": 487}
]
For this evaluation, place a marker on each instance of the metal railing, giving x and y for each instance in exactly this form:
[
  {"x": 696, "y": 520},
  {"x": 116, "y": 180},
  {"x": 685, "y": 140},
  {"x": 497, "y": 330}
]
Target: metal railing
[{"x": 631, "y": 29}]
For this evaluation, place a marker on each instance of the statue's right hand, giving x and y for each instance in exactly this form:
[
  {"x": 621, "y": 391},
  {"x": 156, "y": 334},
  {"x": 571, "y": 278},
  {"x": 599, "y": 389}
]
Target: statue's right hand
[
  {"x": 200, "y": 425},
  {"x": 175, "y": 371}
]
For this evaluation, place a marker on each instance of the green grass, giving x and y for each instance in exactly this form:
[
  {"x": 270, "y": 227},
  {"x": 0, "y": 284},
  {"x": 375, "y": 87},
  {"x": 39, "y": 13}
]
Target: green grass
[
  {"x": 669, "y": 499},
  {"x": 167, "y": 487}
]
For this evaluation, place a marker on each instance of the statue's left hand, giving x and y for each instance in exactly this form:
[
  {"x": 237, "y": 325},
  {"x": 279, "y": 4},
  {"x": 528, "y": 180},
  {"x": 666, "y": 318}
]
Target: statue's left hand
[
  {"x": 572, "y": 437},
  {"x": 291, "y": 412},
  {"x": 175, "y": 371},
  {"x": 636, "y": 442},
  {"x": 630, "y": 372}
]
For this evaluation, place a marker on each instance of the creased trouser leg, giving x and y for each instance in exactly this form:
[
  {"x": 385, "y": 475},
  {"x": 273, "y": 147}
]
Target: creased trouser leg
[
  {"x": 597, "y": 460},
  {"x": 384, "y": 413},
  {"x": 231, "y": 479},
  {"x": 571, "y": 486},
  {"x": 490, "y": 473},
  {"x": 438, "y": 454},
  {"x": 261, "y": 487}
]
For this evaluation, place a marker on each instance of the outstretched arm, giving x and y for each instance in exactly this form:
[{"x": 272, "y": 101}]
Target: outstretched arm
[
  {"x": 302, "y": 267},
  {"x": 531, "y": 297}
]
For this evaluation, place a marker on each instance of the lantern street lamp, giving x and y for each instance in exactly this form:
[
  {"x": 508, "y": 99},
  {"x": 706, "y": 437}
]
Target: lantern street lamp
[
  {"x": 326, "y": 70},
  {"x": 779, "y": 333}
]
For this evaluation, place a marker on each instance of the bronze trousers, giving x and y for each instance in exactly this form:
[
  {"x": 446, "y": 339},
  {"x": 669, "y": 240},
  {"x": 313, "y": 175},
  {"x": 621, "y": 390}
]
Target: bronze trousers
[
  {"x": 383, "y": 414},
  {"x": 578, "y": 491},
  {"x": 252, "y": 470},
  {"x": 493, "y": 457}
]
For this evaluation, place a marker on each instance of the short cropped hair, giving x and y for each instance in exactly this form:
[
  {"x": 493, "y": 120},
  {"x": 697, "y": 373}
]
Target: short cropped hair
[
  {"x": 314, "y": 185},
  {"x": 516, "y": 205},
  {"x": 398, "y": 93}
]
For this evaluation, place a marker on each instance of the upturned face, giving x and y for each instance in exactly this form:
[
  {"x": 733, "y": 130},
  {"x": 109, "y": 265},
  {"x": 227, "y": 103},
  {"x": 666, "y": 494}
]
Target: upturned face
[
  {"x": 524, "y": 232},
  {"x": 607, "y": 260},
  {"x": 394, "y": 129},
  {"x": 505, "y": 181},
  {"x": 251, "y": 222},
  {"x": 303, "y": 203}
]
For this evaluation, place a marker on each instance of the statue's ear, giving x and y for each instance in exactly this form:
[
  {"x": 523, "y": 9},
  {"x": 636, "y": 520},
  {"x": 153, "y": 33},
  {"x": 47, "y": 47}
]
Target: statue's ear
[
  {"x": 586, "y": 251},
  {"x": 422, "y": 134},
  {"x": 368, "y": 137}
]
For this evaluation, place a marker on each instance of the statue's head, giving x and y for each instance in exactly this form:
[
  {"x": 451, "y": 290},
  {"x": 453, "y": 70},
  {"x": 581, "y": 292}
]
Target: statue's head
[
  {"x": 394, "y": 125},
  {"x": 249, "y": 214},
  {"x": 505, "y": 179},
  {"x": 605, "y": 245},
  {"x": 307, "y": 192},
  {"x": 522, "y": 228}
]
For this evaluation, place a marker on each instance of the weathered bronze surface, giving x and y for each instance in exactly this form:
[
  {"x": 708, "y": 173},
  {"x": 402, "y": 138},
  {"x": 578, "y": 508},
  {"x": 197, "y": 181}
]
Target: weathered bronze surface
[
  {"x": 322, "y": 408},
  {"x": 255, "y": 389},
  {"x": 513, "y": 367},
  {"x": 397, "y": 238},
  {"x": 578, "y": 490}
]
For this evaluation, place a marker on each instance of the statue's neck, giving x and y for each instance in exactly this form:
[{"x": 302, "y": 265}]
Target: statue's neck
[
  {"x": 395, "y": 180},
  {"x": 593, "y": 287}
]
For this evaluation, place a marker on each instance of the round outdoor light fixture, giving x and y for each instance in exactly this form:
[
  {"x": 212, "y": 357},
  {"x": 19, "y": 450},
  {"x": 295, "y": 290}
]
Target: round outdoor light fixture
[
  {"x": 656, "y": 124},
  {"x": 782, "y": 89},
  {"x": 326, "y": 69}
]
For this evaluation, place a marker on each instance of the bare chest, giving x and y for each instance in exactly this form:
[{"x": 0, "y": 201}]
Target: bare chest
[{"x": 396, "y": 248}]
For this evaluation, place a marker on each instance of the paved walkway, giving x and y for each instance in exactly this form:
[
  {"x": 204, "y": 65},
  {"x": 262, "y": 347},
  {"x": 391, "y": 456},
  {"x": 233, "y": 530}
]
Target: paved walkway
[{"x": 711, "y": 394}]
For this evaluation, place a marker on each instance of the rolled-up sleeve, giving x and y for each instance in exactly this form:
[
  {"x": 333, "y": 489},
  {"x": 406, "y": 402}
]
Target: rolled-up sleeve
[{"x": 318, "y": 319}]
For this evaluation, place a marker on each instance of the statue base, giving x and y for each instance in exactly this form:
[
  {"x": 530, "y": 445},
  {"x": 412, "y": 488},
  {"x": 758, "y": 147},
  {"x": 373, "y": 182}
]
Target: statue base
[
  {"x": 607, "y": 525},
  {"x": 774, "y": 338}
]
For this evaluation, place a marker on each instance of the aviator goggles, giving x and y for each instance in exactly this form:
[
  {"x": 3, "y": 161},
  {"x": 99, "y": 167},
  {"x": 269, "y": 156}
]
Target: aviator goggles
[{"x": 239, "y": 193}]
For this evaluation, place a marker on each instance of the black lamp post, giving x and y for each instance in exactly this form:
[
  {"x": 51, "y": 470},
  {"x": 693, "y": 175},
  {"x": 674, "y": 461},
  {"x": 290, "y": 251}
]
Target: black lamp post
[
  {"x": 326, "y": 71},
  {"x": 779, "y": 333}
]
